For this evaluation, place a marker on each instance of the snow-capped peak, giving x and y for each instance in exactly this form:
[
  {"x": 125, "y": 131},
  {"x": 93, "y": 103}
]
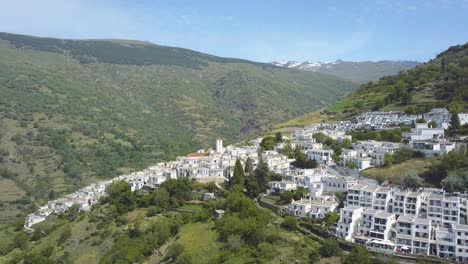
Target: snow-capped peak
[{"x": 306, "y": 65}]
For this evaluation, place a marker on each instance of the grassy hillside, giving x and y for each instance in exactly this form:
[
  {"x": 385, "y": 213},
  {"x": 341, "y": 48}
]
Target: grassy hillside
[
  {"x": 122, "y": 229},
  {"x": 441, "y": 82},
  {"x": 73, "y": 111}
]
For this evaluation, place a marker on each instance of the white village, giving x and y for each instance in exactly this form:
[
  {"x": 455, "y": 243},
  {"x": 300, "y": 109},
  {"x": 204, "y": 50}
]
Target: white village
[{"x": 386, "y": 218}]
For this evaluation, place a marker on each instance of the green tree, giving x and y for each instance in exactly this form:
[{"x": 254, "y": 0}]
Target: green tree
[
  {"x": 160, "y": 198},
  {"x": 289, "y": 223},
  {"x": 21, "y": 240},
  {"x": 65, "y": 235},
  {"x": 287, "y": 150},
  {"x": 278, "y": 137},
  {"x": 379, "y": 104},
  {"x": 238, "y": 176},
  {"x": 262, "y": 173},
  {"x": 421, "y": 120},
  {"x": 443, "y": 65},
  {"x": 454, "y": 182},
  {"x": 179, "y": 189},
  {"x": 300, "y": 192},
  {"x": 268, "y": 143},
  {"x": 248, "y": 168},
  {"x": 403, "y": 154},
  {"x": 314, "y": 256},
  {"x": 120, "y": 195},
  {"x": 388, "y": 159},
  {"x": 330, "y": 248},
  {"x": 412, "y": 180},
  {"x": 331, "y": 218},
  {"x": 175, "y": 250},
  {"x": 358, "y": 255},
  {"x": 410, "y": 110},
  {"x": 455, "y": 122},
  {"x": 351, "y": 164},
  {"x": 286, "y": 196},
  {"x": 234, "y": 243},
  {"x": 251, "y": 185},
  {"x": 432, "y": 124}
]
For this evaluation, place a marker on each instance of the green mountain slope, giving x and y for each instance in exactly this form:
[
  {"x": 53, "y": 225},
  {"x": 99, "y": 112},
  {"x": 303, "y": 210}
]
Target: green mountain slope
[
  {"x": 72, "y": 111},
  {"x": 441, "y": 82}
]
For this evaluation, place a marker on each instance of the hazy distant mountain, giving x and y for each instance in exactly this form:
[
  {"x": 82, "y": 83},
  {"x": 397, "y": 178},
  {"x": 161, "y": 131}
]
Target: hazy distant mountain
[
  {"x": 441, "y": 82},
  {"x": 359, "y": 72}
]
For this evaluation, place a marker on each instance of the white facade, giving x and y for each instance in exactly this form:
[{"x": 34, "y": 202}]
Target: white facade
[
  {"x": 281, "y": 186},
  {"x": 423, "y": 132},
  {"x": 463, "y": 118},
  {"x": 334, "y": 184},
  {"x": 219, "y": 145},
  {"x": 350, "y": 217},
  {"x": 321, "y": 156}
]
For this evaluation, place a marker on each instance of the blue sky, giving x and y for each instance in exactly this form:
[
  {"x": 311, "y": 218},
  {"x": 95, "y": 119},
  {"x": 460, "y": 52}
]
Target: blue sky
[{"x": 257, "y": 30}]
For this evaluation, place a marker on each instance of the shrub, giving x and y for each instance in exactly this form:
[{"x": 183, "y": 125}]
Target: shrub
[
  {"x": 289, "y": 223},
  {"x": 330, "y": 248}
]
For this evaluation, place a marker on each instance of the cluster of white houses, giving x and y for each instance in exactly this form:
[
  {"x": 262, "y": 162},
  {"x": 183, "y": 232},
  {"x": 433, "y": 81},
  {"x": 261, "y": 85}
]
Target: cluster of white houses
[
  {"x": 388, "y": 120},
  {"x": 364, "y": 154},
  {"x": 215, "y": 165},
  {"x": 391, "y": 220},
  {"x": 427, "y": 221}
]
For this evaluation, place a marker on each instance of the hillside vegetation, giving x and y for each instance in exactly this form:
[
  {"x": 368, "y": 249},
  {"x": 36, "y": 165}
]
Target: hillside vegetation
[
  {"x": 129, "y": 227},
  {"x": 73, "y": 111},
  {"x": 441, "y": 82}
]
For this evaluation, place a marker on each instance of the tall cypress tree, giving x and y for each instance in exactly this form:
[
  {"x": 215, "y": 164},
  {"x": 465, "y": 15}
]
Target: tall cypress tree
[
  {"x": 238, "y": 177},
  {"x": 261, "y": 173},
  {"x": 248, "y": 166}
]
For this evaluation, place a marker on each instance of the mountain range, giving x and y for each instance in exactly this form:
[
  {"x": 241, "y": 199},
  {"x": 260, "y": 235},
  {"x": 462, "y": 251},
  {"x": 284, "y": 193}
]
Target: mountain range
[
  {"x": 355, "y": 71},
  {"x": 74, "y": 111},
  {"x": 440, "y": 82}
]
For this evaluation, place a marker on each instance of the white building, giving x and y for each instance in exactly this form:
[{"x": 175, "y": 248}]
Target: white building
[
  {"x": 334, "y": 184},
  {"x": 323, "y": 156},
  {"x": 432, "y": 148},
  {"x": 463, "y": 118},
  {"x": 441, "y": 116},
  {"x": 423, "y": 132},
  {"x": 281, "y": 186},
  {"x": 413, "y": 235},
  {"x": 409, "y": 203},
  {"x": 350, "y": 217},
  {"x": 219, "y": 145}
]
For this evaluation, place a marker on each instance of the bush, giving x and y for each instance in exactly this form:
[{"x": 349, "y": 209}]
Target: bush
[
  {"x": 175, "y": 250},
  {"x": 66, "y": 234},
  {"x": 289, "y": 223},
  {"x": 286, "y": 196},
  {"x": 152, "y": 211},
  {"x": 330, "y": 248},
  {"x": 234, "y": 243}
]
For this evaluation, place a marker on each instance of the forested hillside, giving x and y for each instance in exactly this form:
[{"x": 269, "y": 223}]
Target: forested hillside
[
  {"x": 74, "y": 111},
  {"x": 441, "y": 82}
]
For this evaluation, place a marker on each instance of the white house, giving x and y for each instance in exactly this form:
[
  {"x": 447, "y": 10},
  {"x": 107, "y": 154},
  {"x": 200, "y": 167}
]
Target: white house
[
  {"x": 321, "y": 155},
  {"x": 413, "y": 235},
  {"x": 349, "y": 220},
  {"x": 423, "y": 132},
  {"x": 463, "y": 118},
  {"x": 334, "y": 184},
  {"x": 281, "y": 186}
]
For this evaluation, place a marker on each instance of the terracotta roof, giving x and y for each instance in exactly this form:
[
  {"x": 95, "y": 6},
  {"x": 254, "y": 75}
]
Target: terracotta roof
[{"x": 196, "y": 154}]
